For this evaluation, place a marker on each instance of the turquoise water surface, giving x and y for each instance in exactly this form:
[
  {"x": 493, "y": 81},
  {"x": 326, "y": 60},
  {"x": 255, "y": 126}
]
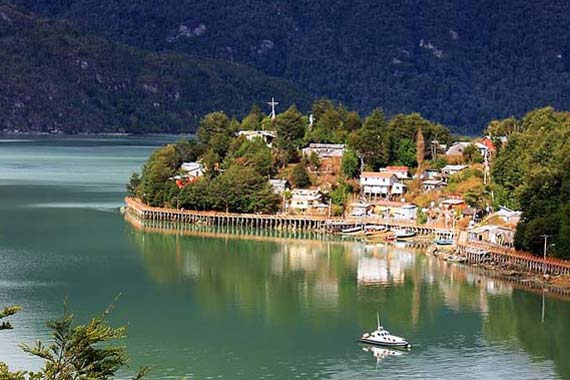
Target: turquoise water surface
[{"x": 222, "y": 305}]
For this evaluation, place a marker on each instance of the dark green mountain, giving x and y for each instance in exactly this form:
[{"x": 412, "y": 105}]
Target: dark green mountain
[
  {"x": 459, "y": 62},
  {"x": 53, "y": 77}
]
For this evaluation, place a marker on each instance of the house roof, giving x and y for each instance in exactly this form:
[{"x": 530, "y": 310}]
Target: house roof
[
  {"x": 434, "y": 182},
  {"x": 397, "y": 168},
  {"x": 392, "y": 204},
  {"x": 377, "y": 174},
  {"x": 454, "y": 167},
  {"x": 453, "y": 202}
]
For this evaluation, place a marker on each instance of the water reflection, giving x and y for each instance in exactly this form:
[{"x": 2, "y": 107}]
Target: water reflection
[
  {"x": 339, "y": 286},
  {"x": 381, "y": 353}
]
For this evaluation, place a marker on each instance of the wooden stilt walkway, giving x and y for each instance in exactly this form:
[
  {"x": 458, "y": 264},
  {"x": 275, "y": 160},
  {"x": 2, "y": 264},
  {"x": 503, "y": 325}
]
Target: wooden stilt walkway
[
  {"x": 480, "y": 253},
  {"x": 276, "y": 221}
]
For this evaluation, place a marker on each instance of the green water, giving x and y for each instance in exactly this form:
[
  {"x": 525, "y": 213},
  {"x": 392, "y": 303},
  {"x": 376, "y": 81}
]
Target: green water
[{"x": 226, "y": 306}]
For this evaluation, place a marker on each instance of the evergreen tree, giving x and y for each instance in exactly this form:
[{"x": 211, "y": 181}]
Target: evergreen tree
[{"x": 371, "y": 141}]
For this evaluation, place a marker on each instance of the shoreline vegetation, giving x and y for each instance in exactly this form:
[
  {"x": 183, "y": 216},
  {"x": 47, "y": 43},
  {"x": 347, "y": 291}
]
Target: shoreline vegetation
[{"x": 318, "y": 162}]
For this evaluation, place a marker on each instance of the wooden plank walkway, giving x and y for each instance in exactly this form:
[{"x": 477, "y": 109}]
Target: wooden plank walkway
[{"x": 275, "y": 221}]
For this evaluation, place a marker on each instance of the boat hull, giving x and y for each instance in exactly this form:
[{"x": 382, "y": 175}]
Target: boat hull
[{"x": 385, "y": 344}]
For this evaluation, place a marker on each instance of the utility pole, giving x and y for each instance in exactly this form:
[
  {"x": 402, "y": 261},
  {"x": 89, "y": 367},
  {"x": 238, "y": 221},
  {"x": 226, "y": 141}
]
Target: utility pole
[{"x": 545, "y": 236}]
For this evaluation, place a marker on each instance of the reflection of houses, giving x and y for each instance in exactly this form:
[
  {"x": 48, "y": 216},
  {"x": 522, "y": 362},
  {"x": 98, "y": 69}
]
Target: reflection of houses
[
  {"x": 493, "y": 234},
  {"x": 387, "y": 270},
  {"x": 266, "y": 136},
  {"x": 433, "y": 184},
  {"x": 325, "y": 150},
  {"x": 305, "y": 200},
  {"x": 279, "y": 186},
  {"x": 381, "y": 184}
]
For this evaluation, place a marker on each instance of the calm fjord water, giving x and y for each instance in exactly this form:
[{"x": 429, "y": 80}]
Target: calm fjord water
[{"x": 230, "y": 307}]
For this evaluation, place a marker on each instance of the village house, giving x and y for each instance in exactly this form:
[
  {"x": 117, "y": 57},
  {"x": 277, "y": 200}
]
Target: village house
[
  {"x": 360, "y": 209},
  {"x": 266, "y": 136},
  {"x": 192, "y": 169},
  {"x": 303, "y": 200},
  {"x": 397, "y": 210},
  {"x": 456, "y": 149},
  {"x": 279, "y": 186},
  {"x": 377, "y": 184},
  {"x": 431, "y": 174},
  {"x": 492, "y": 234},
  {"x": 433, "y": 184},
  {"x": 401, "y": 172},
  {"x": 450, "y": 170},
  {"x": 453, "y": 204},
  {"x": 509, "y": 216},
  {"x": 325, "y": 150}
]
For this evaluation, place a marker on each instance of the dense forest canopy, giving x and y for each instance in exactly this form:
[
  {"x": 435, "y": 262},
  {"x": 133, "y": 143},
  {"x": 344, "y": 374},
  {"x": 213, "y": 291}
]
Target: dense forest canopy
[
  {"x": 54, "y": 78},
  {"x": 532, "y": 173},
  {"x": 459, "y": 62}
]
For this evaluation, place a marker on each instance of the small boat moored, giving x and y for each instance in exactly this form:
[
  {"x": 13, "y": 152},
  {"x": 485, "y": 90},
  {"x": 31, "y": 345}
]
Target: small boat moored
[
  {"x": 381, "y": 337},
  {"x": 443, "y": 241},
  {"x": 403, "y": 234}
]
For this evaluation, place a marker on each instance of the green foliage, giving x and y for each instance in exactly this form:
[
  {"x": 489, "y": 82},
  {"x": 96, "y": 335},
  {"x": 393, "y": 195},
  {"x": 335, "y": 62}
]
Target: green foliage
[
  {"x": 299, "y": 177},
  {"x": 252, "y": 121},
  {"x": 76, "y": 352},
  {"x": 405, "y": 127},
  {"x": 371, "y": 141},
  {"x": 532, "y": 174},
  {"x": 238, "y": 189},
  {"x": 5, "y": 313},
  {"x": 255, "y": 154},
  {"x": 290, "y": 127},
  {"x": 350, "y": 165},
  {"x": 472, "y": 154},
  {"x": 155, "y": 187},
  {"x": 421, "y": 216},
  {"x": 406, "y": 153}
]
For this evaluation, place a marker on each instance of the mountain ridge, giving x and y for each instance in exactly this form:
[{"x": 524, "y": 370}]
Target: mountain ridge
[
  {"x": 459, "y": 62},
  {"x": 55, "y": 78}
]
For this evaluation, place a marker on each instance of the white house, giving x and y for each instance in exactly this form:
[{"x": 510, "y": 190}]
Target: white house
[
  {"x": 377, "y": 183},
  {"x": 266, "y": 136},
  {"x": 509, "y": 216},
  {"x": 279, "y": 185},
  {"x": 433, "y": 184},
  {"x": 450, "y": 170},
  {"x": 193, "y": 169},
  {"x": 401, "y": 172},
  {"x": 325, "y": 150},
  {"x": 305, "y": 199},
  {"x": 456, "y": 149},
  {"x": 398, "y": 189},
  {"x": 406, "y": 212}
]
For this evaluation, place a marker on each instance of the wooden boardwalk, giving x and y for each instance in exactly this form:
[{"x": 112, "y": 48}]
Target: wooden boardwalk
[
  {"x": 479, "y": 253},
  {"x": 275, "y": 221}
]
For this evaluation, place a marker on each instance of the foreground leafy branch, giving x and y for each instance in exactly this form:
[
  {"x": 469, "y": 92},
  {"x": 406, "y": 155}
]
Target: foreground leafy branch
[{"x": 76, "y": 352}]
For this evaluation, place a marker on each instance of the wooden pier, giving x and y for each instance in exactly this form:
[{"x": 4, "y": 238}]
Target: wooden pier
[
  {"x": 481, "y": 253},
  {"x": 288, "y": 222}
]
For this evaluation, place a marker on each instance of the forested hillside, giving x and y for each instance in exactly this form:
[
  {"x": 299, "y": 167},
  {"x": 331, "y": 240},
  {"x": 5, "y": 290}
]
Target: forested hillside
[
  {"x": 54, "y": 78},
  {"x": 458, "y": 62}
]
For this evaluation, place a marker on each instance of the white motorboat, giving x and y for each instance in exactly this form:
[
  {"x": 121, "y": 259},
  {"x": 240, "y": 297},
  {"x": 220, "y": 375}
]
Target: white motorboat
[
  {"x": 382, "y": 337},
  {"x": 403, "y": 234}
]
